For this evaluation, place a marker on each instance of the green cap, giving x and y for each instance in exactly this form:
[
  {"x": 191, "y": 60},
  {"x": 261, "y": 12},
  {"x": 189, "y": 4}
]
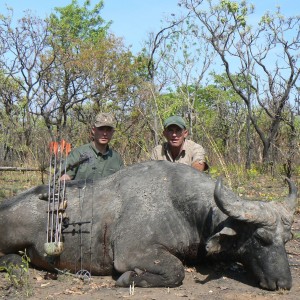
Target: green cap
[{"x": 175, "y": 120}]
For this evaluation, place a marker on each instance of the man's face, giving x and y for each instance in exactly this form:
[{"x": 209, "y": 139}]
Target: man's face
[
  {"x": 175, "y": 135},
  {"x": 103, "y": 135}
]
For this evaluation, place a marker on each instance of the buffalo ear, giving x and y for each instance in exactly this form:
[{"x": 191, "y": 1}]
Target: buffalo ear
[{"x": 220, "y": 241}]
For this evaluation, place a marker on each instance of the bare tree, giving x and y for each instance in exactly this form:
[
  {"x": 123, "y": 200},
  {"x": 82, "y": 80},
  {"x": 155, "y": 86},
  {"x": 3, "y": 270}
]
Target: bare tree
[
  {"x": 177, "y": 66},
  {"x": 265, "y": 55},
  {"x": 23, "y": 67}
]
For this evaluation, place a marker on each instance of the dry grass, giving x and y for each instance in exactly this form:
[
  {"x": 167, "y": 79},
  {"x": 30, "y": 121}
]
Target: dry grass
[
  {"x": 12, "y": 182},
  {"x": 260, "y": 187}
]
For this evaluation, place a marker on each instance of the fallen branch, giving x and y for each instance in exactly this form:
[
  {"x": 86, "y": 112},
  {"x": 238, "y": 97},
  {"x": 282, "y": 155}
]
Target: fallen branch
[{"x": 18, "y": 169}]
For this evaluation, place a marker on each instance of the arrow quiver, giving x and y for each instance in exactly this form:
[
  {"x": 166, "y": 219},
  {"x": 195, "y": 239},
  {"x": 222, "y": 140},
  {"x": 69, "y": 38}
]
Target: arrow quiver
[{"x": 57, "y": 202}]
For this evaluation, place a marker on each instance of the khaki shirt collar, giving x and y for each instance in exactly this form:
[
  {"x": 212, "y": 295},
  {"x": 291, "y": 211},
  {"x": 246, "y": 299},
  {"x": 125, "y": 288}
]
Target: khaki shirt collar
[{"x": 168, "y": 152}]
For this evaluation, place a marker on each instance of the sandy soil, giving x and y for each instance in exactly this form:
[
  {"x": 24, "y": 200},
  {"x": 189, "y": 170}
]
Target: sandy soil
[{"x": 206, "y": 282}]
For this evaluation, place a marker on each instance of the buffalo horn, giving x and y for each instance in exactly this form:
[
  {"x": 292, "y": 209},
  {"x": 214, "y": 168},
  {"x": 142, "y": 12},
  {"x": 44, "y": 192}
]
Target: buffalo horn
[
  {"x": 244, "y": 210},
  {"x": 291, "y": 200}
]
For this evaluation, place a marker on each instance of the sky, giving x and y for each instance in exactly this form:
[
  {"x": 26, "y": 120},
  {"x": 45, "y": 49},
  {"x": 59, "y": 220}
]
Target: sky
[{"x": 134, "y": 19}]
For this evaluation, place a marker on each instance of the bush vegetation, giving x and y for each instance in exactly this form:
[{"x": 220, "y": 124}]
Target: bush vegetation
[{"x": 212, "y": 67}]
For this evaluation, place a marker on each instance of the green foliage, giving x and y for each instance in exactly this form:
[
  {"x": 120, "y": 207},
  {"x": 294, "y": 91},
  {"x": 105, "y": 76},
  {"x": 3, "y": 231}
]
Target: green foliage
[
  {"x": 252, "y": 173},
  {"x": 214, "y": 172},
  {"x": 2, "y": 194},
  {"x": 168, "y": 105},
  {"x": 239, "y": 10},
  {"x": 223, "y": 83},
  {"x": 297, "y": 170},
  {"x": 232, "y": 6},
  {"x": 141, "y": 62},
  {"x": 18, "y": 275},
  {"x": 75, "y": 22}
]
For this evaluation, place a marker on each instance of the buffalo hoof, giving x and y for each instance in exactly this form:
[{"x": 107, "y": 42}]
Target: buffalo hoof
[{"x": 126, "y": 279}]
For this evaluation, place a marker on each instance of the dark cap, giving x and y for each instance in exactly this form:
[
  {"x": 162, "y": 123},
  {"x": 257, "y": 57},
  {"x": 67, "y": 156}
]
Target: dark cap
[
  {"x": 175, "y": 120},
  {"x": 104, "y": 119}
]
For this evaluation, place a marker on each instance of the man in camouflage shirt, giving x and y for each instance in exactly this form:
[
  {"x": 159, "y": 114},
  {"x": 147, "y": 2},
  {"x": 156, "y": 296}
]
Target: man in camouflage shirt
[
  {"x": 177, "y": 148},
  {"x": 96, "y": 159}
]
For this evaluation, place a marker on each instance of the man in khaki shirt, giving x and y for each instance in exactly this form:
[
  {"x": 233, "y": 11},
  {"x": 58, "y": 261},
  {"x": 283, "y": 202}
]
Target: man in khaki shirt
[{"x": 177, "y": 148}]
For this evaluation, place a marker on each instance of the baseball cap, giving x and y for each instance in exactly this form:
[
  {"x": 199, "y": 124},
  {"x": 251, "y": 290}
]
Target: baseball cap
[
  {"x": 175, "y": 120},
  {"x": 104, "y": 119}
]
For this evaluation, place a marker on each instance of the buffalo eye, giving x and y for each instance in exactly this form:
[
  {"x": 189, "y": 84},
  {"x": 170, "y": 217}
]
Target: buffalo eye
[{"x": 263, "y": 236}]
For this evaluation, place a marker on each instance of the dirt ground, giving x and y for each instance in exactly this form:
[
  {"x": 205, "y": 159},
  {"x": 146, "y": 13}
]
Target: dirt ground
[{"x": 207, "y": 282}]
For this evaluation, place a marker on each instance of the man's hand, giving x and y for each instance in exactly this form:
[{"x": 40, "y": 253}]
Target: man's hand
[
  {"x": 200, "y": 166},
  {"x": 65, "y": 177}
]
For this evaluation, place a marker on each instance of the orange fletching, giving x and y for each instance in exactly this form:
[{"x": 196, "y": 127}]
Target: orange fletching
[
  {"x": 68, "y": 148},
  {"x": 62, "y": 145},
  {"x": 55, "y": 147}
]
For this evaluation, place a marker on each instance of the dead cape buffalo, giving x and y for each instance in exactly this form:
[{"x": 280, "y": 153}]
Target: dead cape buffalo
[{"x": 147, "y": 219}]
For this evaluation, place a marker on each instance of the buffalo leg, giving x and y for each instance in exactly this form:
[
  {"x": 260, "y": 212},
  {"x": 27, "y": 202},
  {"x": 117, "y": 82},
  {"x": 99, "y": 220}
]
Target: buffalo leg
[{"x": 157, "y": 268}]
